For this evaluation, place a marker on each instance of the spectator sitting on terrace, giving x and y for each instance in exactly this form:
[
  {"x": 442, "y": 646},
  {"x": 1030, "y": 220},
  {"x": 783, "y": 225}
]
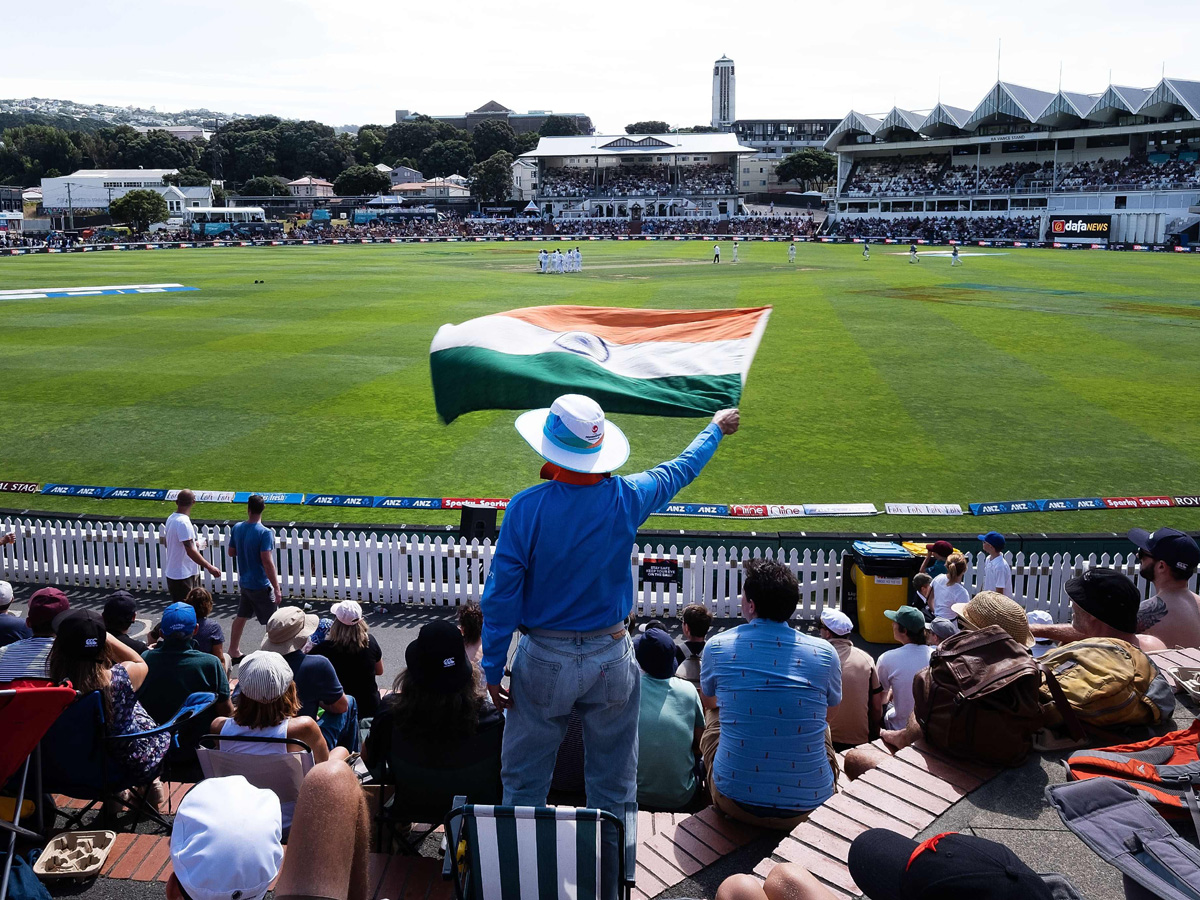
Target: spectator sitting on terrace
[
  {"x": 355, "y": 654},
  {"x": 696, "y": 621},
  {"x": 27, "y": 658},
  {"x": 1168, "y": 558},
  {"x": 857, "y": 718},
  {"x": 898, "y": 667},
  {"x": 269, "y": 706},
  {"x": 92, "y": 660},
  {"x": 12, "y": 628},
  {"x": 470, "y": 623},
  {"x": 948, "y": 588},
  {"x": 1104, "y": 603},
  {"x": 210, "y": 638},
  {"x": 317, "y": 683},
  {"x": 766, "y": 689},
  {"x": 120, "y": 612},
  {"x": 922, "y": 586},
  {"x": 670, "y": 723},
  {"x": 437, "y": 734}
]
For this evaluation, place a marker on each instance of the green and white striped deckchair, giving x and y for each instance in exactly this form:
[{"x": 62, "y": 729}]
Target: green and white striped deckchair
[{"x": 530, "y": 852}]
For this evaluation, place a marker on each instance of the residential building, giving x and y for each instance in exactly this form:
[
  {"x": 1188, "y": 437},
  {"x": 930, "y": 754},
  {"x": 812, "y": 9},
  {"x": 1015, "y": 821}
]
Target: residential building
[
  {"x": 404, "y": 175},
  {"x": 520, "y": 122},
  {"x": 433, "y": 189},
  {"x": 95, "y": 189},
  {"x": 524, "y": 176},
  {"x": 774, "y": 139},
  {"x": 310, "y": 186}
]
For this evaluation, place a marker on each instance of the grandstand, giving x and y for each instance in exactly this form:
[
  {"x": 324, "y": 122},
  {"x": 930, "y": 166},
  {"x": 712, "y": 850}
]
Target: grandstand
[
  {"x": 1131, "y": 154},
  {"x": 638, "y": 176}
]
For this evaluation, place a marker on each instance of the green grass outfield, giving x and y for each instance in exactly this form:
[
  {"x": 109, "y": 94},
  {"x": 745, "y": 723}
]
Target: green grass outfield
[{"x": 1020, "y": 375}]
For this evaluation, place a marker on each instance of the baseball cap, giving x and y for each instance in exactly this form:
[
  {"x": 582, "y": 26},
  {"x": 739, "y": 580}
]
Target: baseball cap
[
  {"x": 178, "y": 618},
  {"x": 437, "y": 659},
  {"x": 995, "y": 538},
  {"x": 655, "y": 652},
  {"x": 80, "y": 633},
  {"x": 907, "y": 617},
  {"x": 264, "y": 675},
  {"x": 942, "y": 627},
  {"x": 1108, "y": 595},
  {"x": 288, "y": 630},
  {"x": 889, "y": 866},
  {"x": 6, "y": 593},
  {"x": 941, "y": 548},
  {"x": 225, "y": 843},
  {"x": 1175, "y": 548},
  {"x": 347, "y": 611},
  {"x": 45, "y": 605},
  {"x": 120, "y": 607},
  {"x": 836, "y": 621},
  {"x": 652, "y": 624}
]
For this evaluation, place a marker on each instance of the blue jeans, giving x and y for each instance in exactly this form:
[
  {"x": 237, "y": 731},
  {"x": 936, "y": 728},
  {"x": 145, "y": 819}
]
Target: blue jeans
[
  {"x": 341, "y": 729},
  {"x": 600, "y": 678}
]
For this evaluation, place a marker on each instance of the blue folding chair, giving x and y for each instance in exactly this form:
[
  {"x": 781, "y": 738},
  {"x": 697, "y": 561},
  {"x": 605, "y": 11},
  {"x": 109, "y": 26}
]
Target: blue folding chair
[
  {"x": 78, "y": 759},
  {"x": 553, "y": 853}
]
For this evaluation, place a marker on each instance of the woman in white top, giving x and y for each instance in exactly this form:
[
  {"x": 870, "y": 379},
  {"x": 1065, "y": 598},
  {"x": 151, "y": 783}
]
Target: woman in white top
[
  {"x": 948, "y": 588},
  {"x": 266, "y": 706}
]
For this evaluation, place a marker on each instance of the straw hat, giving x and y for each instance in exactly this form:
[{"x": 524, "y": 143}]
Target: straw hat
[{"x": 989, "y": 608}]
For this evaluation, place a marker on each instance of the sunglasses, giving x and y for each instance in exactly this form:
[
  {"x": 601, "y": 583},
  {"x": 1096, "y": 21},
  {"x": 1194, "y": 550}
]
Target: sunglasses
[{"x": 1142, "y": 554}]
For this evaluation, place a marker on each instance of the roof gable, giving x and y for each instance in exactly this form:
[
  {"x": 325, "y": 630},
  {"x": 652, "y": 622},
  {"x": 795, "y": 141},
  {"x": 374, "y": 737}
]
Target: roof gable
[
  {"x": 899, "y": 119},
  {"x": 943, "y": 117},
  {"x": 1014, "y": 100},
  {"x": 1171, "y": 92},
  {"x": 493, "y": 107},
  {"x": 1067, "y": 105},
  {"x": 1116, "y": 100},
  {"x": 630, "y": 143}
]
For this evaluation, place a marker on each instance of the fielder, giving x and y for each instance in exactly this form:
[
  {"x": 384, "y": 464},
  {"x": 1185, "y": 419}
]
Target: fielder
[
  {"x": 716, "y": 253},
  {"x": 792, "y": 252},
  {"x": 735, "y": 248},
  {"x": 912, "y": 254},
  {"x": 954, "y": 260},
  {"x": 866, "y": 251}
]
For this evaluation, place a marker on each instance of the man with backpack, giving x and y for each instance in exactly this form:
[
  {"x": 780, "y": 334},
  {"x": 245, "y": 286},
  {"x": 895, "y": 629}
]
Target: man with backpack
[
  {"x": 696, "y": 620},
  {"x": 1104, "y": 604}
]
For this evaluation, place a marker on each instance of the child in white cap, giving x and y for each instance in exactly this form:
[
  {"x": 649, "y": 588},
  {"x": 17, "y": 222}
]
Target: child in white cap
[{"x": 856, "y": 719}]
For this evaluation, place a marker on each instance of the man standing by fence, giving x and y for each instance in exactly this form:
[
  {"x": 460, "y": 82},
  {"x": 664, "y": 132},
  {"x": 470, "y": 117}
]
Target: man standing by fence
[
  {"x": 561, "y": 575},
  {"x": 183, "y": 560},
  {"x": 252, "y": 544}
]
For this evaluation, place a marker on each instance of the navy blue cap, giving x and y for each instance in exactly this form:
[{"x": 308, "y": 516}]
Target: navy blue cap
[
  {"x": 655, "y": 652},
  {"x": 995, "y": 538},
  {"x": 1175, "y": 548}
]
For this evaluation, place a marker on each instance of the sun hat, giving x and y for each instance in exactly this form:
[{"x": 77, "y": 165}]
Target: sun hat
[
  {"x": 288, "y": 630},
  {"x": 836, "y": 621},
  {"x": 907, "y": 617},
  {"x": 44, "y": 606},
  {"x": 655, "y": 653},
  {"x": 80, "y": 632},
  {"x": 989, "y": 608},
  {"x": 264, "y": 675},
  {"x": 6, "y": 594},
  {"x": 437, "y": 659},
  {"x": 226, "y": 840},
  {"x": 995, "y": 538},
  {"x": 1108, "y": 595},
  {"x": 178, "y": 619},
  {"x": 888, "y": 866},
  {"x": 574, "y": 434},
  {"x": 347, "y": 611},
  {"x": 1175, "y": 548}
]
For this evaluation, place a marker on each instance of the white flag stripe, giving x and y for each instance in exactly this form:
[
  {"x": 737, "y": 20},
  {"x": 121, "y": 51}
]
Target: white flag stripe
[
  {"x": 568, "y": 879},
  {"x": 93, "y": 287},
  {"x": 648, "y": 359},
  {"x": 528, "y": 855},
  {"x": 489, "y": 852}
]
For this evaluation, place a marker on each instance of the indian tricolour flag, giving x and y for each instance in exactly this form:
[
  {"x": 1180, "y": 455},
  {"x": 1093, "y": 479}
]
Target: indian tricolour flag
[{"x": 666, "y": 362}]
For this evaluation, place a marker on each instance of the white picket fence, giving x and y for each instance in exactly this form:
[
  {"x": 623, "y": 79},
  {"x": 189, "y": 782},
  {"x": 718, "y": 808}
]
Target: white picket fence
[{"x": 335, "y": 564}]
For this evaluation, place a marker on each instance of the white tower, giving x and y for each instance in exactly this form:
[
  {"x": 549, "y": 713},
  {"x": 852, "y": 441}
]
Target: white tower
[{"x": 723, "y": 93}]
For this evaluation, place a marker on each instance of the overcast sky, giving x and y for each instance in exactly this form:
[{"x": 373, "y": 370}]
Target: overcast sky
[{"x": 354, "y": 63}]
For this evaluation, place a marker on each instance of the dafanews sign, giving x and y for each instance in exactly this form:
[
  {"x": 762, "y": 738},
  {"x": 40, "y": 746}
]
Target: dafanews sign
[{"x": 1091, "y": 228}]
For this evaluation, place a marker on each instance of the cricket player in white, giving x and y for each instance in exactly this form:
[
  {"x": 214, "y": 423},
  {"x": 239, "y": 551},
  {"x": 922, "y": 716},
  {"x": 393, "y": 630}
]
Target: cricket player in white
[
  {"x": 578, "y": 260},
  {"x": 735, "y": 246},
  {"x": 954, "y": 260},
  {"x": 542, "y": 261},
  {"x": 716, "y": 253},
  {"x": 558, "y": 261},
  {"x": 866, "y": 251},
  {"x": 912, "y": 254},
  {"x": 792, "y": 252}
]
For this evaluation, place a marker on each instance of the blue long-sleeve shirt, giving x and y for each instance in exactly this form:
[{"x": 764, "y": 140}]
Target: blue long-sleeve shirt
[{"x": 562, "y": 559}]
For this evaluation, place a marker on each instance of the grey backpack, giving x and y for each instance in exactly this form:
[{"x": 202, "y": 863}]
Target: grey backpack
[{"x": 1125, "y": 831}]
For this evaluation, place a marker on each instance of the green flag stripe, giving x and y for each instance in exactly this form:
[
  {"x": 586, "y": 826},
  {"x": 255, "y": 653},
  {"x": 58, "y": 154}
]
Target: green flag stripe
[
  {"x": 546, "y": 831},
  {"x": 587, "y": 857},
  {"x": 509, "y": 857},
  {"x": 469, "y": 378}
]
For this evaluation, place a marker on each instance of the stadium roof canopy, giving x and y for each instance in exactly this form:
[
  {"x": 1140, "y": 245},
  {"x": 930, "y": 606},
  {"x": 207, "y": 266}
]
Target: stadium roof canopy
[
  {"x": 637, "y": 144},
  {"x": 1024, "y": 108}
]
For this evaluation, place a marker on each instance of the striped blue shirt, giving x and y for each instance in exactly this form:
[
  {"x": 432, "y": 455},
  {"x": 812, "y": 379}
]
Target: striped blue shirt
[
  {"x": 774, "y": 686},
  {"x": 25, "y": 659}
]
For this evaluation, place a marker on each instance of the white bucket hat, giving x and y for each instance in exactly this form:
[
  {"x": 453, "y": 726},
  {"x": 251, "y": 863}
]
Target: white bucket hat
[{"x": 574, "y": 434}]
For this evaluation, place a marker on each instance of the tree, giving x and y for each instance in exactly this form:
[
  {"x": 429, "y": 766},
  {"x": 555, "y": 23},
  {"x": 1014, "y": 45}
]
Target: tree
[
  {"x": 807, "y": 166},
  {"x": 526, "y": 141},
  {"x": 492, "y": 136},
  {"x": 492, "y": 178},
  {"x": 139, "y": 208},
  {"x": 409, "y": 139},
  {"x": 368, "y": 145},
  {"x": 33, "y": 152},
  {"x": 265, "y": 186},
  {"x": 446, "y": 158},
  {"x": 697, "y": 129},
  {"x": 361, "y": 181},
  {"x": 556, "y": 126},
  {"x": 189, "y": 176},
  {"x": 650, "y": 126}
]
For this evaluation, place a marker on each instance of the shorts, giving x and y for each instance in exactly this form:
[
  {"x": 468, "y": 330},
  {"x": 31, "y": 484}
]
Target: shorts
[
  {"x": 179, "y": 588},
  {"x": 257, "y": 602}
]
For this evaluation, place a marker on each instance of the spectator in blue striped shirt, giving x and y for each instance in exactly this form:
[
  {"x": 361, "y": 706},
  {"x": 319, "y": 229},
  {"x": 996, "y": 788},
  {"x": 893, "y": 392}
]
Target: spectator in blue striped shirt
[{"x": 27, "y": 658}]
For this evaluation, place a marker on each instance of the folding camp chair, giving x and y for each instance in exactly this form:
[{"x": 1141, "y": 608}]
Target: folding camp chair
[
  {"x": 27, "y": 710},
  {"x": 281, "y": 773},
  {"x": 495, "y": 851},
  {"x": 77, "y": 755}
]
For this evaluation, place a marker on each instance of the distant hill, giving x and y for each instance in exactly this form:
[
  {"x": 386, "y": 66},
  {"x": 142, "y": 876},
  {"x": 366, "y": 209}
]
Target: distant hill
[
  {"x": 90, "y": 116},
  {"x": 67, "y": 123}
]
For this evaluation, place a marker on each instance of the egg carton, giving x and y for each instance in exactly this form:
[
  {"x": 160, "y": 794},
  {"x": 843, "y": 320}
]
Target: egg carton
[
  {"x": 1188, "y": 678},
  {"x": 75, "y": 854}
]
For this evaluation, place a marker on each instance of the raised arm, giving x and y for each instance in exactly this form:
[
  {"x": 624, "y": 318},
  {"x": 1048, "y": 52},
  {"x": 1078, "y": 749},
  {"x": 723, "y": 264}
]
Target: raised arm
[{"x": 658, "y": 485}]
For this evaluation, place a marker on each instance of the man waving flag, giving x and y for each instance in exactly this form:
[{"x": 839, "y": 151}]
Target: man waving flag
[{"x": 666, "y": 362}]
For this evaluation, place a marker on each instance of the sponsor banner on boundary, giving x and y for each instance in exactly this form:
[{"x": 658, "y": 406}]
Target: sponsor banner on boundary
[
  {"x": 19, "y": 487},
  {"x": 1006, "y": 506},
  {"x": 923, "y": 509},
  {"x": 357, "y": 500},
  {"x": 74, "y": 490},
  {"x": 270, "y": 497},
  {"x": 408, "y": 502}
]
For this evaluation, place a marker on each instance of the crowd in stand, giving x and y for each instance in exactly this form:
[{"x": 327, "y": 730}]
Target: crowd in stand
[
  {"x": 712, "y": 178},
  {"x": 639, "y": 180},
  {"x": 567, "y": 181},
  {"x": 636, "y": 181},
  {"x": 939, "y": 228},
  {"x": 916, "y": 175}
]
